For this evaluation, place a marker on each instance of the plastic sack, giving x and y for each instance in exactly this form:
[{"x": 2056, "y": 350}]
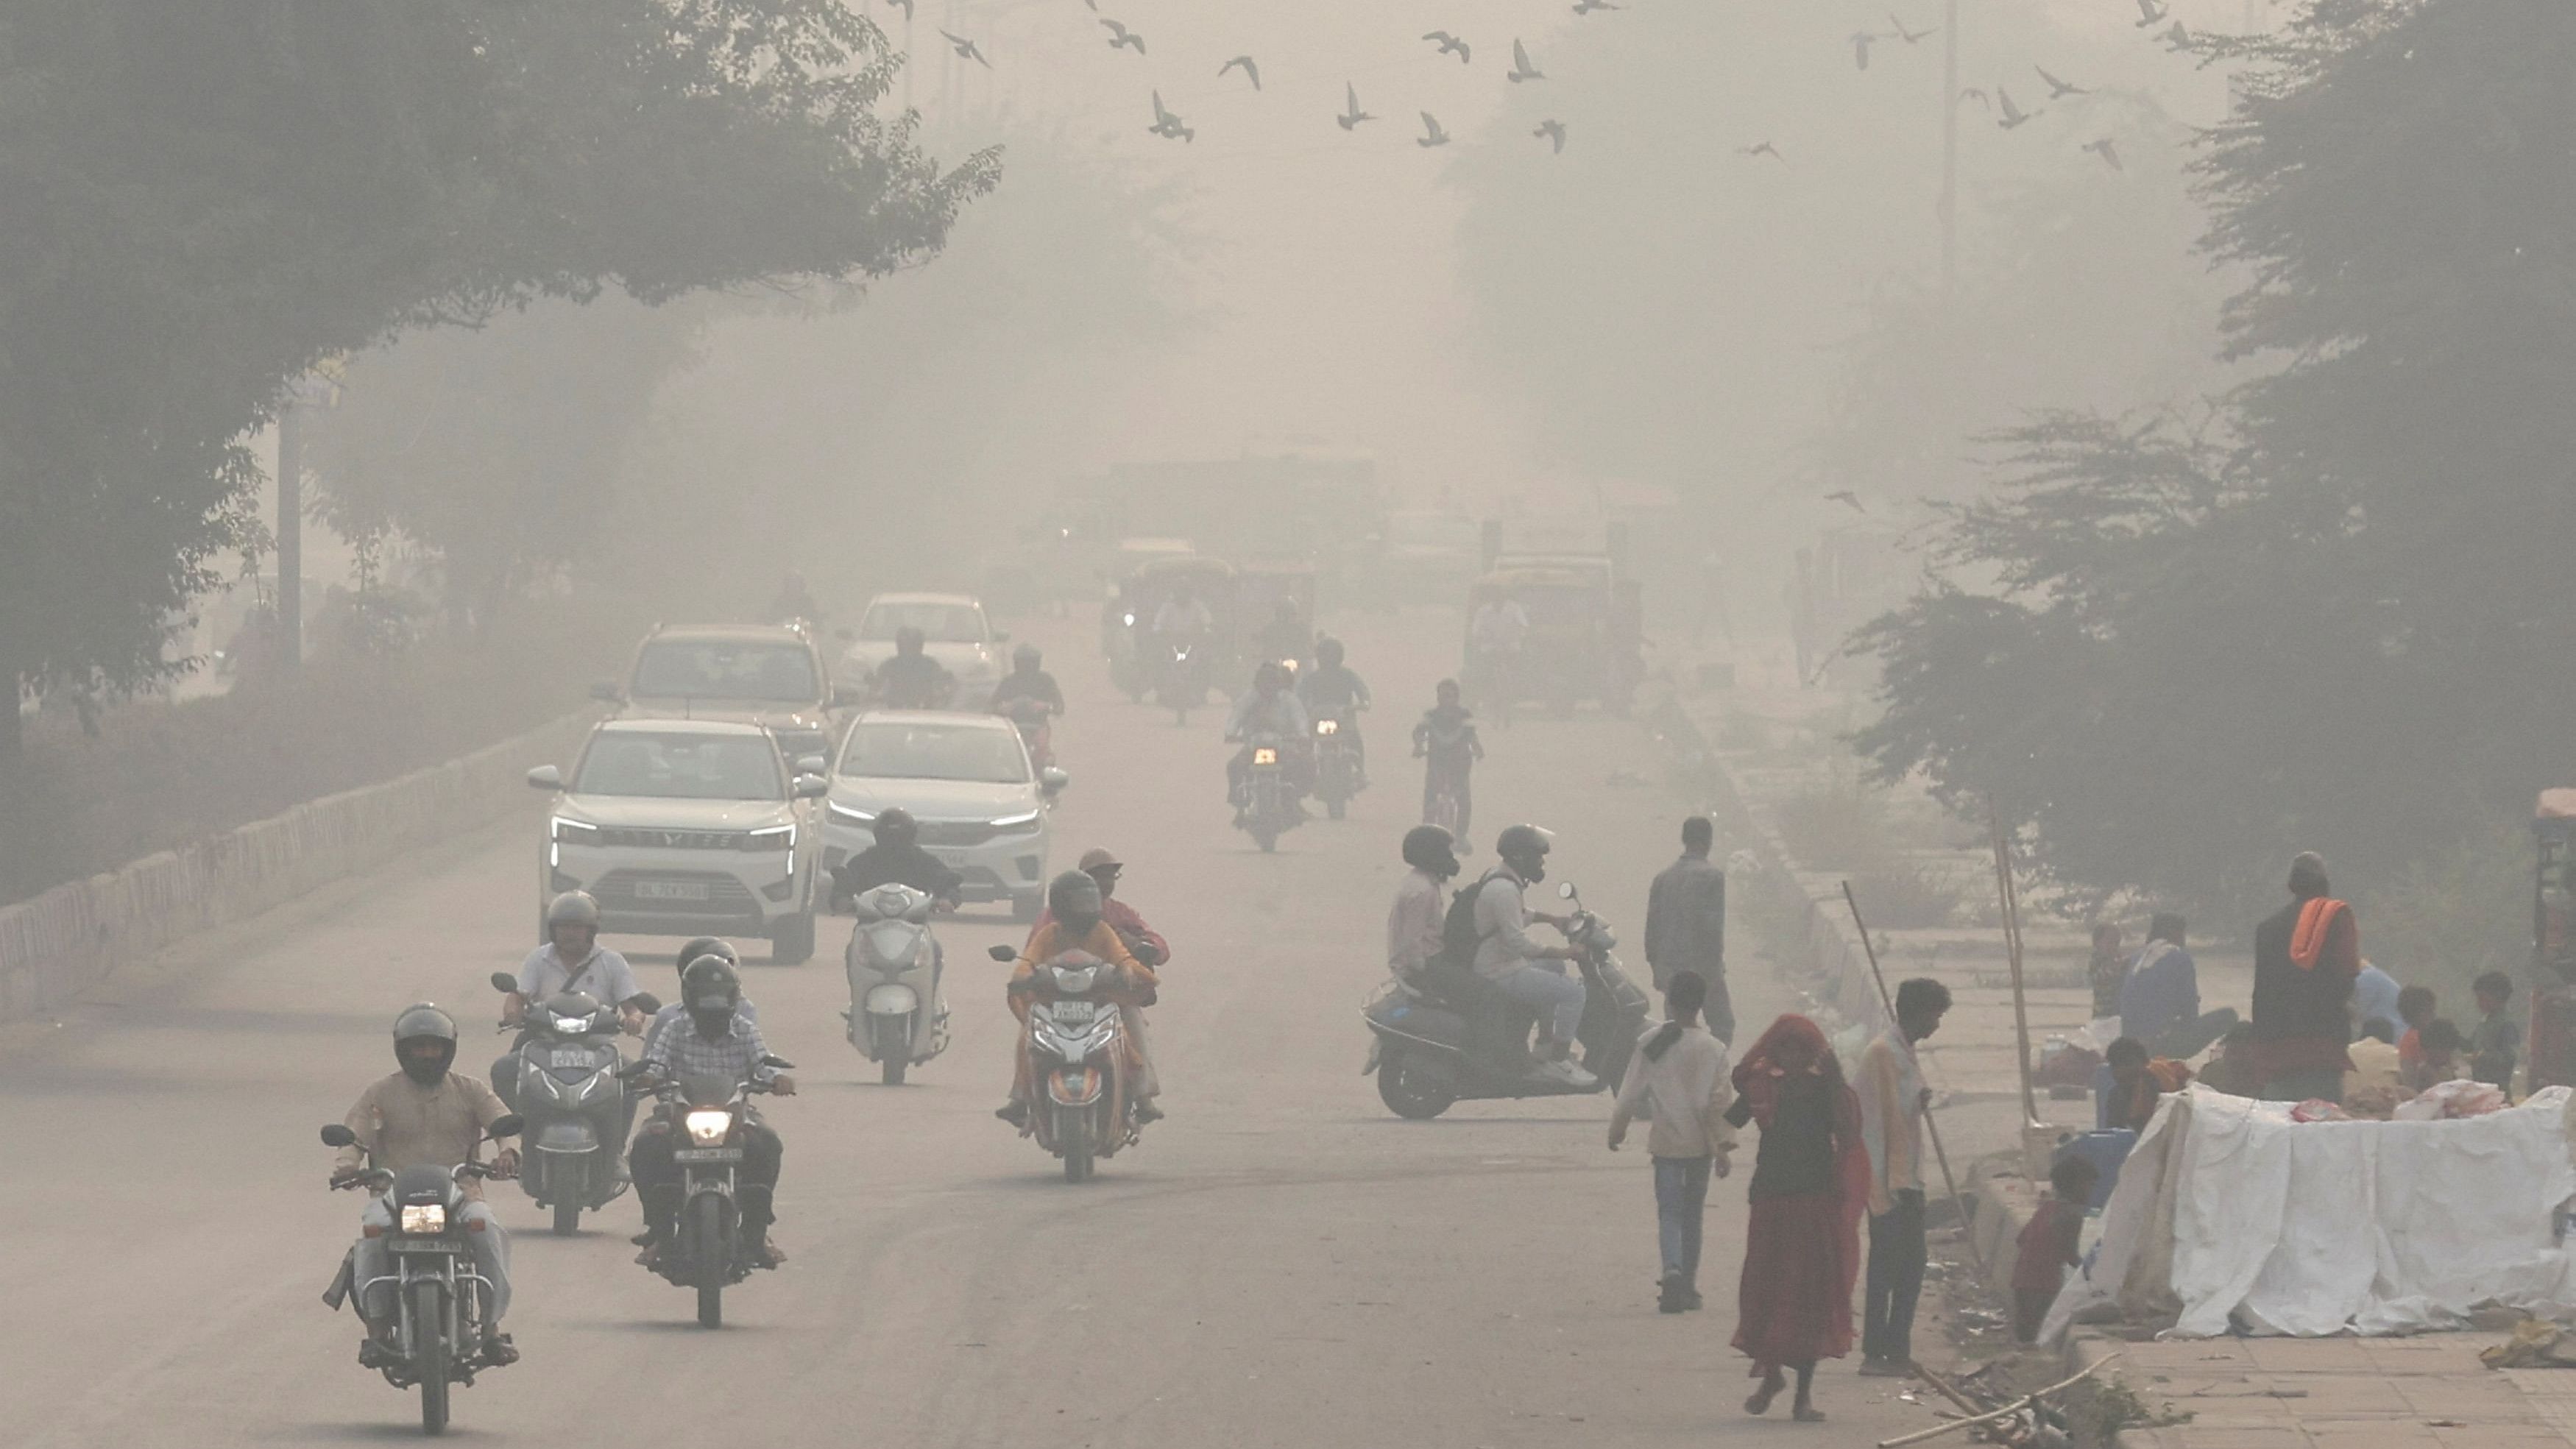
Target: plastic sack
[
  {"x": 2318, "y": 1109},
  {"x": 2444, "y": 1101}
]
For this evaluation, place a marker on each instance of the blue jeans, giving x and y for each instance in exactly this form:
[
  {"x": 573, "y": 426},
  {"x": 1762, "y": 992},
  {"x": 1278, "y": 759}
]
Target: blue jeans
[
  {"x": 1555, "y": 996},
  {"x": 1681, "y": 1202}
]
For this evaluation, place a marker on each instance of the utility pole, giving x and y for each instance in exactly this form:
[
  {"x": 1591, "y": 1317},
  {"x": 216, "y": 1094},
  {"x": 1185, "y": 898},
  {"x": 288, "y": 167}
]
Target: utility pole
[
  {"x": 290, "y": 538},
  {"x": 1950, "y": 152}
]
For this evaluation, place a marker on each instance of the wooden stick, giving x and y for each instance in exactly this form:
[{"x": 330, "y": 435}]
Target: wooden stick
[
  {"x": 2006, "y": 1412},
  {"x": 1958, "y": 1200},
  {"x": 1944, "y": 1389},
  {"x": 2010, "y": 899}
]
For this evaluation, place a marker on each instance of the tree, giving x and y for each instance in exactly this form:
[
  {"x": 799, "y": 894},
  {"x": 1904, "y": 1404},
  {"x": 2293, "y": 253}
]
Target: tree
[{"x": 208, "y": 199}]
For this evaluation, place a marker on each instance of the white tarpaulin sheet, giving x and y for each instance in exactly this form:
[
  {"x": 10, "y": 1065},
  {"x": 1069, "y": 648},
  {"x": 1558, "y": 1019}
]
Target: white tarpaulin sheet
[{"x": 2228, "y": 1210}]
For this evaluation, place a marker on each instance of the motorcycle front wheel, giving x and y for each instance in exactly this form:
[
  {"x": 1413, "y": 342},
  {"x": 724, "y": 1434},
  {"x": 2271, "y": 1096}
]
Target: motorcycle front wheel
[
  {"x": 1407, "y": 1093},
  {"x": 429, "y": 1354},
  {"x": 894, "y": 1051},
  {"x": 702, "y": 1238},
  {"x": 567, "y": 1219},
  {"x": 1077, "y": 1150}
]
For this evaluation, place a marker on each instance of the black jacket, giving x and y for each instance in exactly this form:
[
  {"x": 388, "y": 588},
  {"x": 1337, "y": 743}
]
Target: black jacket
[
  {"x": 2290, "y": 1003},
  {"x": 883, "y": 864}
]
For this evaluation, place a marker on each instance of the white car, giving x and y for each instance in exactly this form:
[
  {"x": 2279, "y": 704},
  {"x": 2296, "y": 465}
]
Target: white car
[
  {"x": 966, "y": 778},
  {"x": 954, "y": 632},
  {"x": 687, "y": 828},
  {"x": 769, "y": 675}
]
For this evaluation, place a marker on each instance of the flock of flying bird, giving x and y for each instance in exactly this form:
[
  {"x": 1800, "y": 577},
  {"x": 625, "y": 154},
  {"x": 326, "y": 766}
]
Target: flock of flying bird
[{"x": 1170, "y": 126}]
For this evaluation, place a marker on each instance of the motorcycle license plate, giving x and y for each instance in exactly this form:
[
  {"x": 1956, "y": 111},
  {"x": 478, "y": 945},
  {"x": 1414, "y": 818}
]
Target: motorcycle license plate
[
  {"x": 421, "y": 1245},
  {"x": 707, "y": 1154},
  {"x": 671, "y": 890},
  {"x": 568, "y": 1057}
]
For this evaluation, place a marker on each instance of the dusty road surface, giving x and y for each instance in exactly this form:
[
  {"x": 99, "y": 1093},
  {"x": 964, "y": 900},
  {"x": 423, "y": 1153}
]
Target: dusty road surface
[{"x": 1283, "y": 1262}]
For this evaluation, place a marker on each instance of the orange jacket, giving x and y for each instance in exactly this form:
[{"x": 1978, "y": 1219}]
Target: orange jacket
[{"x": 1049, "y": 940}]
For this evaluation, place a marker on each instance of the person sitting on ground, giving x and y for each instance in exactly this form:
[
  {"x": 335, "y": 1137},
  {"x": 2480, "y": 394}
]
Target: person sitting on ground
[
  {"x": 2416, "y": 1008},
  {"x": 2374, "y": 996},
  {"x": 2049, "y": 1244},
  {"x": 2437, "y": 1054},
  {"x": 2497, "y": 1037},
  {"x": 2137, "y": 1080},
  {"x": 2160, "y": 996}
]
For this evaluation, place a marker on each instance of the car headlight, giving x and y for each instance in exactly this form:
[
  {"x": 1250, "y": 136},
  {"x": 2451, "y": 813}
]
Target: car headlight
[
  {"x": 568, "y": 831},
  {"x": 774, "y": 837},
  {"x": 1265, "y": 756},
  {"x": 1328, "y": 726},
  {"x": 848, "y": 816},
  {"x": 424, "y": 1217},
  {"x": 708, "y": 1127},
  {"x": 1026, "y": 821}
]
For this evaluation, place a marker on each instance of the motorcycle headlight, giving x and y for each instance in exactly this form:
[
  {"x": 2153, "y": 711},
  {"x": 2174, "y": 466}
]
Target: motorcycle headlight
[
  {"x": 1130, "y": 620},
  {"x": 572, "y": 1025},
  {"x": 1265, "y": 756},
  {"x": 424, "y": 1217},
  {"x": 709, "y": 1127},
  {"x": 848, "y": 816},
  {"x": 1328, "y": 727}
]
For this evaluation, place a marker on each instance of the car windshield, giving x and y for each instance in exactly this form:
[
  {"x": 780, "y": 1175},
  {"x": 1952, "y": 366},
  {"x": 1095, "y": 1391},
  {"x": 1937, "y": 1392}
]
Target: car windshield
[
  {"x": 893, "y": 750},
  {"x": 938, "y": 623},
  {"x": 726, "y": 669},
  {"x": 681, "y": 767}
]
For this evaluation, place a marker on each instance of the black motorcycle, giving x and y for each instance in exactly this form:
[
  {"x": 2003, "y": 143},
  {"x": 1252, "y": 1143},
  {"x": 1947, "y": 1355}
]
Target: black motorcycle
[
  {"x": 1452, "y": 1035},
  {"x": 576, "y": 1106},
  {"x": 1337, "y": 762},
  {"x": 709, "y": 1252},
  {"x": 439, "y": 1300}
]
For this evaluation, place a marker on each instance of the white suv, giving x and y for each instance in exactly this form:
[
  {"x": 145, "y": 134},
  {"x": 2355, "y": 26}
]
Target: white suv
[
  {"x": 966, "y": 779},
  {"x": 769, "y": 675},
  {"x": 685, "y": 828}
]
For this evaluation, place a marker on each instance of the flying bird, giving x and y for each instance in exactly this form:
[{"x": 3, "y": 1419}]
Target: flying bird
[
  {"x": 1250, "y": 70},
  {"x": 1762, "y": 148},
  {"x": 965, "y": 49},
  {"x": 2109, "y": 153},
  {"x": 1167, "y": 125},
  {"x": 1552, "y": 130},
  {"x": 1910, "y": 37},
  {"x": 1120, "y": 35},
  {"x": 1861, "y": 41},
  {"x": 2178, "y": 39},
  {"x": 1586, "y": 7},
  {"x": 1521, "y": 68},
  {"x": 2013, "y": 115},
  {"x": 2059, "y": 90},
  {"x": 1450, "y": 45},
  {"x": 2149, "y": 12},
  {"x": 1432, "y": 135},
  {"x": 1981, "y": 97},
  {"x": 1351, "y": 114},
  {"x": 1845, "y": 496}
]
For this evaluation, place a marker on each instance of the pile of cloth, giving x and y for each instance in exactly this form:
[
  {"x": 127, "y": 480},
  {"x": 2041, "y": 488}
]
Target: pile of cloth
[{"x": 2232, "y": 1217}]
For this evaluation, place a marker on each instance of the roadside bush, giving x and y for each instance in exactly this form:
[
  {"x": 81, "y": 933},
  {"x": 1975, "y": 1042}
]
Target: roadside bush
[
  {"x": 2459, "y": 911},
  {"x": 1838, "y": 826},
  {"x": 1901, "y": 896}
]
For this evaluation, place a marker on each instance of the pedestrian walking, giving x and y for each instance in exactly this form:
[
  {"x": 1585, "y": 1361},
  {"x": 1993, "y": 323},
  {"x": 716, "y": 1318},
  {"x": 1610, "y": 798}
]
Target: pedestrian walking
[
  {"x": 1686, "y": 923},
  {"x": 1810, "y": 1180},
  {"x": 1679, "y": 1084},
  {"x": 2306, "y": 957},
  {"x": 1893, "y": 1099}
]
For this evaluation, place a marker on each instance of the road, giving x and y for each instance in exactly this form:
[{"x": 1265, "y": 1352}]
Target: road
[{"x": 1283, "y": 1262}]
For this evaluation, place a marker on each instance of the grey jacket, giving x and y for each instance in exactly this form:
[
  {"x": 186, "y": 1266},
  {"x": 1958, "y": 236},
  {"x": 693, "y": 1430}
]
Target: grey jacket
[{"x": 1686, "y": 918}]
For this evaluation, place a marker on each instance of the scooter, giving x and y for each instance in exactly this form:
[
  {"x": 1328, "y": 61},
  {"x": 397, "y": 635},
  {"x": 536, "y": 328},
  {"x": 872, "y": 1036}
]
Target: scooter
[
  {"x": 895, "y": 1015},
  {"x": 1180, "y": 685},
  {"x": 1080, "y": 1109},
  {"x": 1270, "y": 807},
  {"x": 576, "y": 1105},
  {"x": 708, "y": 1253},
  {"x": 1034, "y": 719},
  {"x": 1453, "y": 1036},
  {"x": 1337, "y": 765},
  {"x": 438, "y": 1297}
]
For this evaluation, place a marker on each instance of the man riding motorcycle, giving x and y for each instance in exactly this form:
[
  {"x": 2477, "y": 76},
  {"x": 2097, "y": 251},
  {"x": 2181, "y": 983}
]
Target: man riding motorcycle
[
  {"x": 1284, "y": 637},
  {"x": 1142, "y": 942},
  {"x": 896, "y": 858},
  {"x": 1332, "y": 690},
  {"x": 1076, "y": 923},
  {"x": 1508, "y": 956},
  {"x": 571, "y": 960},
  {"x": 911, "y": 679},
  {"x": 1446, "y": 742},
  {"x": 715, "y": 1042},
  {"x": 1495, "y": 638},
  {"x": 426, "y": 1115},
  {"x": 1268, "y": 708},
  {"x": 1183, "y": 619},
  {"x": 1029, "y": 698}
]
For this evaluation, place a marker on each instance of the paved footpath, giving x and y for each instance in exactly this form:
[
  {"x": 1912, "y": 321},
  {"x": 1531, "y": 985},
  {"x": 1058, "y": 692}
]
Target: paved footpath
[{"x": 2342, "y": 1393}]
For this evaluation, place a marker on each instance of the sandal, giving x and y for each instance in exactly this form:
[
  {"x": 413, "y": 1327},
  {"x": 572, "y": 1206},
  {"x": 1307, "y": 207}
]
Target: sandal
[{"x": 1760, "y": 1403}]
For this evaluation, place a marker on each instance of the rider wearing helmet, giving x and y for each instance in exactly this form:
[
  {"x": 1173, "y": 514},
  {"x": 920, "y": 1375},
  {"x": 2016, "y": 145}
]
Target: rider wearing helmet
[
  {"x": 1414, "y": 924},
  {"x": 571, "y": 960},
  {"x": 1268, "y": 708},
  {"x": 1333, "y": 690},
  {"x": 895, "y": 857},
  {"x": 708, "y": 947},
  {"x": 1528, "y": 972},
  {"x": 912, "y": 679},
  {"x": 1027, "y": 681},
  {"x": 426, "y": 1115},
  {"x": 1074, "y": 907},
  {"x": 1445, "y": 740},
  {"x": 1285, "y": 637},
  {"x": 714, "y": 1041}
]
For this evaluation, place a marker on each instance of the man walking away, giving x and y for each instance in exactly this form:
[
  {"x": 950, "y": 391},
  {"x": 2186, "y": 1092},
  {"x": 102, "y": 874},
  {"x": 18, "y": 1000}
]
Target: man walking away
[
  {"x": 2305, "y": 959},
  {"x": 1892, "y": 1102},
  {"x": 1680, "y": 1084},
  {"x": 1686, "y": 924}
]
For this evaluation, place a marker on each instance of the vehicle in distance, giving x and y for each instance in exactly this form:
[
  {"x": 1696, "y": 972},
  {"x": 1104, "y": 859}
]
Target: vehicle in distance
[
  {"x": 769, "y": 675},
  {"x": 954, "y": 631},
  {"x": 687, "y": 828},
  {"x": 968, "y": 781}
]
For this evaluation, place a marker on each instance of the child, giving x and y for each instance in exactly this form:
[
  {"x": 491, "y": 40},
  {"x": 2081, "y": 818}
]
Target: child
[
  {"x": 1446, "y": 741},
  {"x": 2498, "y": 1037},
  {"x": 2417, "y": 1008},
  {"x": 2136, "y": 1082},
  {"x": 2048, "y": 1244},
  {"x": 1679, "y": 1082},
  {"x": 2437, "y": 1050}
]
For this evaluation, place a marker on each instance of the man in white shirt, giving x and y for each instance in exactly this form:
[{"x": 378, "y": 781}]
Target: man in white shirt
[
  {"x": 571, "y": 960},
  {"x": 1510, "y": 957}
]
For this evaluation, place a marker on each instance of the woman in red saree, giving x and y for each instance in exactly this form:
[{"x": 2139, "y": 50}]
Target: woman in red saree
[{"x": 1810, "y": 1184}]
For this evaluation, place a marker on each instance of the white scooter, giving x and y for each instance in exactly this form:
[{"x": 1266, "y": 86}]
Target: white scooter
[{"x": 896, "y": 1016}]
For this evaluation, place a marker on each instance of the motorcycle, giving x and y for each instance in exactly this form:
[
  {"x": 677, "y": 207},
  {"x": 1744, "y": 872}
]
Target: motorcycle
[
  {"x": 1180, "y": 685},
  {"x": 1337, "y": 765},
  {"x": 708, "y": 1253},
  {"x": 1034, "y": 719},
  {"x": 1077, "y": 1041},
  {"x": 1453, "y": 1036},
  {"x": 575, "y": 1102},
  {"x": 1270, "y": 807},
  {"x": 895, "y": 1015},
  {"x": 438, "y": 1297}
]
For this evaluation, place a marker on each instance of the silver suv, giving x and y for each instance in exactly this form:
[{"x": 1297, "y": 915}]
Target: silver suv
[{"x": 768, "y": 675}]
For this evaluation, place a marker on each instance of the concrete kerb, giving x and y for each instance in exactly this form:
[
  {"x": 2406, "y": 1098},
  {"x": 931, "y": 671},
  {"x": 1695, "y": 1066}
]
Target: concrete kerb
[{"x": 59, "y": 944}]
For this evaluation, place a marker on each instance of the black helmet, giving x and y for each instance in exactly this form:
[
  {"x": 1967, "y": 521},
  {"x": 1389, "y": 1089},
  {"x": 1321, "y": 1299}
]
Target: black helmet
[
  {"x": 1328, "y": 651},
  {"x": 1525, "y": 848},
  {"x": 909, "y": 640},
  {"x": 1268, "y": 675},
  {"x": 572, "y": 908},
  {"x": 1026, "y": 656},
  {"x": 715, "y": 946},
  {"x": 710, "y": 989},
  {"x": 1429, "y": 848},
  {"x": 897, "y": 827},
  {"x": 424, "y": 1022},
  {"x": 1074, "y": 898}
]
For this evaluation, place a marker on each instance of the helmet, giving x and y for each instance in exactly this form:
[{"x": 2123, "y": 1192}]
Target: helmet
[
  {"x": 1026, "y": 656},
  {"x": 715, "y": 946},
  {"x": 908, "y": 640},
  {"x": 1524, "y": 844},
  {"x": 897, "y": 827},
  {"x": 1429, "y": 848},
  {"x": 709, "y": 992},
  {"x": 1328, "y": 651},
  {"x": 424, "y": 1022},
  {"x": 572, "y": 908},
  {"x": 1074, "y": 898},
  {"x": 1269, "y": 675}
]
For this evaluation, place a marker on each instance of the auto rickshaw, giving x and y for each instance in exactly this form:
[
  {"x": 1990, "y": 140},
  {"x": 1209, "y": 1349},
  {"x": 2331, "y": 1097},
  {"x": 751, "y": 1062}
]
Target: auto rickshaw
[
  {"x": 1579, "y": 644},
  {"x": 1128, "y": 620}
]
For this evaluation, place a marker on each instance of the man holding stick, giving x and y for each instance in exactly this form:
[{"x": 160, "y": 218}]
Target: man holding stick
[{"x": 1893, "y": 1099}]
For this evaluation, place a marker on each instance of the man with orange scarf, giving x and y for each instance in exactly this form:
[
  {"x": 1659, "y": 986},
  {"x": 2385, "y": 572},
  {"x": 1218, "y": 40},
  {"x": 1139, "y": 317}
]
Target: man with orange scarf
[
  {"x": 1810, "y": 1183},
  {"x": 1074, "y": 906},
  {"x": 2305, "y": 959}
]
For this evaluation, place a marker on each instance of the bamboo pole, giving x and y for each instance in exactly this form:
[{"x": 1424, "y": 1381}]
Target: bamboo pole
[
  {"x": 1931, "y": 1128},
  {"x": 2010, "y": 898},
  {"x": 2006, "y": 1412}
]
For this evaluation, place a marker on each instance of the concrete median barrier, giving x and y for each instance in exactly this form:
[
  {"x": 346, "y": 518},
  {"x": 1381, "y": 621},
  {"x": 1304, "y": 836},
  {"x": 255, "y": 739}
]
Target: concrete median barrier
[{"x": 58, "y": 944}]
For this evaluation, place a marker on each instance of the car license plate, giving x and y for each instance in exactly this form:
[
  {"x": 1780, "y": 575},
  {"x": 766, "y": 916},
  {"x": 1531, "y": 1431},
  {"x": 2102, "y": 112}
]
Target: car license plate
[
  {"x": 671, "y": 890},
  {"x": 707, "y": 1154},
  {"x": 568, "y": 1057},
  {"x": 422, "y": 1245}
]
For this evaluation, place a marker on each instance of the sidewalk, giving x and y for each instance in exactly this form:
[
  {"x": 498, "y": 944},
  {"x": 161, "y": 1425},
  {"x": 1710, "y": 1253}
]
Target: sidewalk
[{"x": 2340, "y": 1393}]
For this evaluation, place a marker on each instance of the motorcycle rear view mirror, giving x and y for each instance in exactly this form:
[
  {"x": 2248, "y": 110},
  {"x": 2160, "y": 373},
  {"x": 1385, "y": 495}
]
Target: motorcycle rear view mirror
[
  {"x": 1003, "y": 953},
  {"x": 337, "y": 1134},
  {"x": 503, "y": 981},
  {"x": 1053, "y": 779},
  {"x": 777, "y": 1063},
  {"x": 645, "y": 1002},
  {"x": 505, "y": 1125},
  {"x": 1565, "y": 891}
]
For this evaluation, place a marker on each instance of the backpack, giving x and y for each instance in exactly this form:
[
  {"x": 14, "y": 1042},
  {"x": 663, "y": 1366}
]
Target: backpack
[{"x": 1459, "y": 937}]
